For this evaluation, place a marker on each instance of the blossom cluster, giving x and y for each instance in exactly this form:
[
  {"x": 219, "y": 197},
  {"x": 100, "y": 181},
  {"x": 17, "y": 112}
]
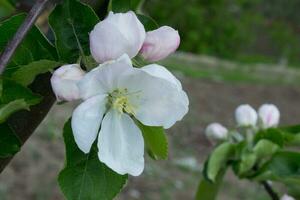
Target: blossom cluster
[
  {"x": 267, "y": 116},
  {"x": 116, "y": 94}
]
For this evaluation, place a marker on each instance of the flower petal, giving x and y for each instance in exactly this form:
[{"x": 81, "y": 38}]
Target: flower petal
[
  {"x": 64, "y": 82},
  {"x": 104, "y": 78},
  {"x": 86, "y": 121},
  {"x": 161, "y": 72},
  {"x": 160, "y": 43},
  {"x": 121, "y": 144},
  {"x": 117, "y": 34},
  {"x": 157, "y": 102}
]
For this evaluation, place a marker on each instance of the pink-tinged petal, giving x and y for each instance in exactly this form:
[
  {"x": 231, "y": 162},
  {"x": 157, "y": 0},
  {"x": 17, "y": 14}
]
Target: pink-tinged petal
[
  {"x": 64, "y": 82},
  {"x": 160, "y": 43},
  {"x": 269, "y": 115},
  {"x": 118, "y": 34}
]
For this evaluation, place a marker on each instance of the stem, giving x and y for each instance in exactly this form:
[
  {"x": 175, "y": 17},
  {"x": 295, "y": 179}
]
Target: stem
[
  {"x": 11, "y": 47},
  {"x": 270, "y": 191}
]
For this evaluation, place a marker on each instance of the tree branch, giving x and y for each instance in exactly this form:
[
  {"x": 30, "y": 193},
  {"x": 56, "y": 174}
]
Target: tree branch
[
  {"x": 270, "y": 191},
  {"x": 11, "y": 47},
  {"x": 25, "y": 122}
]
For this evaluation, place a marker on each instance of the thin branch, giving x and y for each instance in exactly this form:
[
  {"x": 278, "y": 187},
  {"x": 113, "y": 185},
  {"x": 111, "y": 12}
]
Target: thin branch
[
  {"x": 270, "y": 191},
  {"x": 11, "y": 47}
]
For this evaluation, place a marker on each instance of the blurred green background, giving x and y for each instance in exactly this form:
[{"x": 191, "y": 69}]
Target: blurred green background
[{"x": 243, "y": 30}]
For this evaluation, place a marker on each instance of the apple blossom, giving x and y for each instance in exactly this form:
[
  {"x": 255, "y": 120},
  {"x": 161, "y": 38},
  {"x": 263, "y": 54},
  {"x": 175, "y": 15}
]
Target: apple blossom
[
  {"x": 216, "y": 131},
  {"x": 117, "y": 34},
  {"x": 160, "y": 43},
  {"x": 286, "y": 197},
  {"x": 64, "y": 82},
  {"x": 245, "y": 115},
  {"x": 269, "y": 115},
  {"x": 114, "y": 93}
]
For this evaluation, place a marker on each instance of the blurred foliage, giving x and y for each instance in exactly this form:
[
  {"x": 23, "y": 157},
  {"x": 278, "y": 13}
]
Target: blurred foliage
[{"x": 244, "y": 30}]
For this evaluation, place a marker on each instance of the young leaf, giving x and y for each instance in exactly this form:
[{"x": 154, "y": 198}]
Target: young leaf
[
  {"x": 265, "y": 148},
  {"x": 35, "y": 46},
  {"x": 208, "y": 190},
  {"x": 218, "y": 160},
  {"x": 272, "y": 134},
  {"x": 27, "y": 73},
  {"x": 7, "y": 109},
  {"x": 125, "y": 5},
  {"x": 283, "y": 167},
  {"x": 246, "y": 163},
  {"x": 71, "y": 22},
  {"x": 5, "y": 9},
  {"x": 84, "y": 176},
  {"x": 149, "y": 23},
  {"x": 155, "y": 140},
  {"x": 9, "y": 142}
]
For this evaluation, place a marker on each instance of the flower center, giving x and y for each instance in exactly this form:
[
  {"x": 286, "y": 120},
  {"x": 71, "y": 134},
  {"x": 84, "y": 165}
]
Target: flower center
[{"x": 118, "y": 100}]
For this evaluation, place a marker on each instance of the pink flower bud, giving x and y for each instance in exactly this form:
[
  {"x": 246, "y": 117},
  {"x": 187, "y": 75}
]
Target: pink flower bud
[
  {"x": 160, "y": 43},
  {"x": 216, "y": 131},
  {"x": 64, "y": 82},
  {"x": 269, "y": 115},
  {"x": 245, "y": 115},
  {"x": 118, "y": 34}
]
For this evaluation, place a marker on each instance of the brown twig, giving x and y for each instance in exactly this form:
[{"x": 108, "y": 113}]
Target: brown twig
[
  {"x": 25, "y": 122},
  {"x": 270, "y": 191},
  {"x": 11, "y": 47}
]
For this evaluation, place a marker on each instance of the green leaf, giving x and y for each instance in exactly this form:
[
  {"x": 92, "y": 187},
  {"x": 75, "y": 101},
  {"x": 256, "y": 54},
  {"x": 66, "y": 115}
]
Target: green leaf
[
  {"x": 246, "y": 163},
  {"x": 5, "y": 8},
  {"x": 148, "y": 22},
  {"x": 208, "y": 190},
  {"x": 125, "y": 5},
  {"x": 9, "y": 142},
  {"x": 272, "y": 134},
  {"x": 71, "y": 22},
  {"x": 155, "y": 140},
  {"x": 12, "y": 107},
  {"x": 218, "y": 160},
  {"x": 283, "y": 167},
  {"x": 84, "y": 176},
  {"x": 13, "y": 91},
  {"x": 34, "y": 47},
  {"x": 265, "y": 148},
  {"x": 26, "y": 74}
]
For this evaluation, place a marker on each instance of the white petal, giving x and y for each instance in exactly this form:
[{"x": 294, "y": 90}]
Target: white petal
[
  {"x": 157, "y": 102},
  {"x": 216, "y": 131},
  {"x": 160, "y": 43},
  {"x": 116, "y": 35},
  {"x": 86, "y": 121},
  {"x": 269, "y": 115},
  {"x": 161, "y": 72},
  {"x": 121, "y": 144},
  {"x": 245, "y": 115},
  {"x": 64, "y": 82},
  {"x": 104, "y": 78},
  {"x": 286, "y": 197}
]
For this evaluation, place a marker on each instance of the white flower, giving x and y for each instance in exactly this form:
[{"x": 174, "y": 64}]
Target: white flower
[
  {"x": 160, "y": 43},
  {"x": 287, "y": 197},
  {"x": 118, "y": 34},
  {"x": 115, "y": 92},
  {"x": 216, "y": 131},
  {"x": 245, "y": 115},
  {"x": 269, "y": 115},
  {"x": 64, "y": 82}
]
